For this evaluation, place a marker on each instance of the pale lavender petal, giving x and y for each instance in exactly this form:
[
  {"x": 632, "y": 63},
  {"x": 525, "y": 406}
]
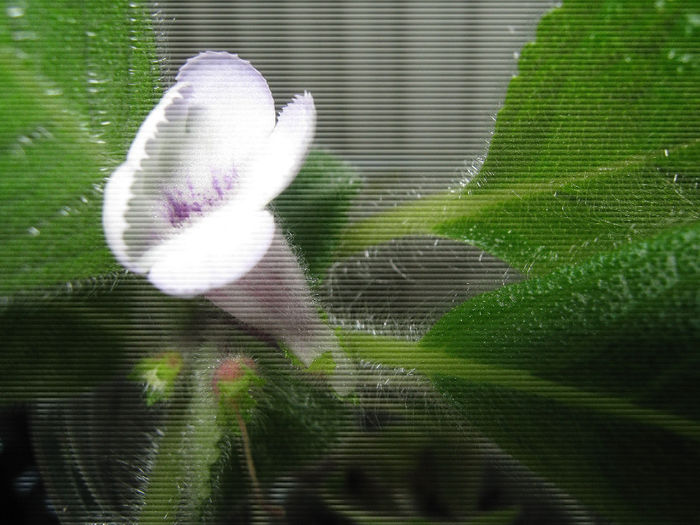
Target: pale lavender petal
[
  {"x": 232, "y": 110},
  {"x": 134, "y": 189}
]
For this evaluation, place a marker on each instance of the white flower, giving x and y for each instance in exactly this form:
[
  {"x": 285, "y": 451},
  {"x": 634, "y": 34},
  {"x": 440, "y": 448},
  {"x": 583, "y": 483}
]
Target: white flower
[{"x": 188, "y": 206}]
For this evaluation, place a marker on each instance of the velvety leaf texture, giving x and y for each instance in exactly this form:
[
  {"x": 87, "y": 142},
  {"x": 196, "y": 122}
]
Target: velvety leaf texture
[
  {"x": 624, "y": 324},
  {"x": 587, "y": 372},
  {"x": 595, "y": 142},
  {"x": 78, "y": 77},
  {"x": 587, "y": 375},
  {"x": 596, "y": 145}
]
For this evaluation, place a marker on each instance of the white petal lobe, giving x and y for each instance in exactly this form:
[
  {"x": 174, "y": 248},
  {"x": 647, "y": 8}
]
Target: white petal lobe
[
  {"x": 234, "y": 106},
  {"x": 116, "y": 197},
  {"x": 212, "y": 252},
  {"x": 277, "y": 163},
  {"x": 119, "y": 189}
]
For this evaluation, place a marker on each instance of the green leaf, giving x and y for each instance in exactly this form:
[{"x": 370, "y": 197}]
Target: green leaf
[
  {"x": 194, "y": 449},
  {"x": 577, "y": 325},
  {"x": 587, "y": 375},
  {"x": 93, "y": 450},
  {"x": 597, "y": 144},
  {"x": 58, "y": 348},
  {"x": 203, "y": 442},
  {"x": 78, "y": 78},
  {"x": 322, "y": 365},
  {"x": 67, "y": 341},
  {"x": 98, "y": 56},
  {"x": 314, "y": 208},
  {"x": 163, "y": 492}
]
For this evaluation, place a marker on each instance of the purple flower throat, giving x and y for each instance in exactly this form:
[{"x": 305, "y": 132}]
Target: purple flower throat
[{"x": 194, "y": 200}]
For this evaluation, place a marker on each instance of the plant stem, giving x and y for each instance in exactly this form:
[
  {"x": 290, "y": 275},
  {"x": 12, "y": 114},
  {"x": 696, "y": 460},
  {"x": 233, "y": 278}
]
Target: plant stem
[
  {"x": 249, "y": 457},
  {"x": 269, "y": 510}
]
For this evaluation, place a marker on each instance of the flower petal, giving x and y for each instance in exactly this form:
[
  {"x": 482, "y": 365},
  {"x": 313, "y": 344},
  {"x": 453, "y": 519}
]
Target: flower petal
[
  {"x": 282, "y": 155},
  {"x": 211, "y": 252},
  {"x": 234, "y": 106},
  {"x": 131, "y": 187}
]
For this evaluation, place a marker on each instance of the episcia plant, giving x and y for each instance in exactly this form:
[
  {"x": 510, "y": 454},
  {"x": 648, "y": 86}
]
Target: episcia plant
[{"x": 521, "y": 348}]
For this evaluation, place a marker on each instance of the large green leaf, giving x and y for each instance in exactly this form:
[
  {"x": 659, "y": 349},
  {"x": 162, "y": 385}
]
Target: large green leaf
[
  {"x": 98, "y": 56},
  {"x": 587, "y": 375},
  {"x": 575, "y": 326},
  {"x": 93, "y": 451},
  {"x": 597, "y": 144},
  {"x": 77, "y": 77}
]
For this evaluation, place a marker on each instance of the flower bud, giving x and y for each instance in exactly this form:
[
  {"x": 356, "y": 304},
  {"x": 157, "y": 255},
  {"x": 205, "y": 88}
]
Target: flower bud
[
  {"x": 158, "y": 373},
  {"x": 234, "y": 382}
]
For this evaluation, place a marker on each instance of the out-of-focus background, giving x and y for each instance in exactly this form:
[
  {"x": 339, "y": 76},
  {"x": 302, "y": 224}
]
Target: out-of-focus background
[{"x": 407, "y": 91}]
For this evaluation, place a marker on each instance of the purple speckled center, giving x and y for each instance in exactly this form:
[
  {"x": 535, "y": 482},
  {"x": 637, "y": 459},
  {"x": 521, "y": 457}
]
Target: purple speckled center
[{"x": 182, "y": 204}]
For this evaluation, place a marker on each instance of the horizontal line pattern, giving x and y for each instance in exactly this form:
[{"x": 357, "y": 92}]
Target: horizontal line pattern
[{"x": 406, "y": 91}]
